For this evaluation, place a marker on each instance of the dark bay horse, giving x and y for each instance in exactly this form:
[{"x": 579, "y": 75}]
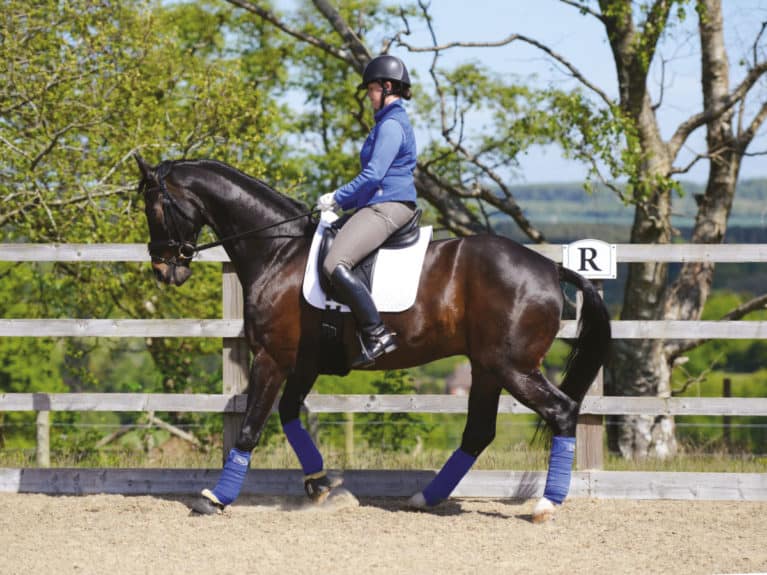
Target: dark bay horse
[{"x": 485, "y": 297}]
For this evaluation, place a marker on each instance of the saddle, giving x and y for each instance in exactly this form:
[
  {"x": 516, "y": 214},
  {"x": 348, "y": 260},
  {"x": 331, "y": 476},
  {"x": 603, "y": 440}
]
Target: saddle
[{"x": 406, "y": 236}]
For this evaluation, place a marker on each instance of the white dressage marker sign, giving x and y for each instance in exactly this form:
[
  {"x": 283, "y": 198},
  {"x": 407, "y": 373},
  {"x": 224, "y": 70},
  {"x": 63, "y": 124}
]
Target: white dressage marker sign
[{"x": 591, "y": 258}]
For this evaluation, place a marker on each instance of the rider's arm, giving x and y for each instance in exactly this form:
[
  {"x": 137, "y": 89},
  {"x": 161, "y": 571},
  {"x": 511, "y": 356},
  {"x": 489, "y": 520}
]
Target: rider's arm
[{"x": 387, "y": 144}]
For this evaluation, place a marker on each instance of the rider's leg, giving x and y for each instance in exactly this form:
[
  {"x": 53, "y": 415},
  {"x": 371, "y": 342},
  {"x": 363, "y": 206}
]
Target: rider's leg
[
  {"x": 364, "y": 232},
  {"x": 375, "y": 338}
]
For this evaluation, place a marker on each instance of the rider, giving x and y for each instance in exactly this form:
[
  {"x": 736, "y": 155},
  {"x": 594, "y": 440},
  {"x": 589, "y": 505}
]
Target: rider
[{"x": 384, "y": 195}]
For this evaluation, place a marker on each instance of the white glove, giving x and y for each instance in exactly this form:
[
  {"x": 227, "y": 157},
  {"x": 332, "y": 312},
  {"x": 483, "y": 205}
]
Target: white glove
[{"x": 327, "y": 202}]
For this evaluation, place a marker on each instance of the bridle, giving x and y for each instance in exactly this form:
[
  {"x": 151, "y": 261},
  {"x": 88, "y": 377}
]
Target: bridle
[{"x": 186, "y": 249}]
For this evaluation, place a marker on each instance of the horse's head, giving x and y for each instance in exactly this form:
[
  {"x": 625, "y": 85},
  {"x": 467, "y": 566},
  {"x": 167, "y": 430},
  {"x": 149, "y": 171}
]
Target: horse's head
[{"x": 174, "y": 222}]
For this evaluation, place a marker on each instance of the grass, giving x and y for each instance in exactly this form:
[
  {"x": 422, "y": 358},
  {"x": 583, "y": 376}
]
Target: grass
[{"x": 278, "y": 455}]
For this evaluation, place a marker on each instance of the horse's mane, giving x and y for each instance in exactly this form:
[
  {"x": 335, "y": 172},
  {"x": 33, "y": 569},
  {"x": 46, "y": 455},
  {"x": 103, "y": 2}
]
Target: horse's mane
[{"x": 246, "y": 182}]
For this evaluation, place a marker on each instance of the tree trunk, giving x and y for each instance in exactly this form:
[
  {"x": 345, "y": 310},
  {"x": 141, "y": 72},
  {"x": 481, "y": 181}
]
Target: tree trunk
[
  {"x": 693, "y": 285},
  {"x": 639, "y": 367},
  {"x": 645, "y": 369}
]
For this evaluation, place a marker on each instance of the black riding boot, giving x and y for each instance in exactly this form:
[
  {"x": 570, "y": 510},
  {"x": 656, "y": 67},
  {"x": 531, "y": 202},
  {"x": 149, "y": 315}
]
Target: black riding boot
[{"x": 375, "y": 338}]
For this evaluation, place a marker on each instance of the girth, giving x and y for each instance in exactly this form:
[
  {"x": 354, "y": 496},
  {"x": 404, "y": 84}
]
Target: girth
[{"x": 405, "y": 236}]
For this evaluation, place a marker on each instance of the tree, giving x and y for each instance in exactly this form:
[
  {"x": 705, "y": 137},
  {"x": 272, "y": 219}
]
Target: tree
[
  {"x": 644, "y": 368},
  {"x": 617, "y": 137},
  {"x": 83, "y": 85}
]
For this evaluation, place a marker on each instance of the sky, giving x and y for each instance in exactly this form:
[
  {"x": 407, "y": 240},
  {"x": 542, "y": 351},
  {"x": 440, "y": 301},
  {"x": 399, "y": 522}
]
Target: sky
[{"x": 582, "y": 39}]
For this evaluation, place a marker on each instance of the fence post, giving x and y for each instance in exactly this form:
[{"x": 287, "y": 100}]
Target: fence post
[
  {"x": 726, "y": 419},
  {"x": 349, "y": 438},
  {"x": 236, "y": 357},
  {"x": 590, "y": 431},
  {"x": 43, "y": 447}
]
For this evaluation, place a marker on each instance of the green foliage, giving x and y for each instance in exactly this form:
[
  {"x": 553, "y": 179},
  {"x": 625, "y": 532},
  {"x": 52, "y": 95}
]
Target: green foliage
[
  {"x": 385, "y": 431},
  {"x": 703, "y": 375},
  {"x": 731, "y": 355},
  {"x": 82, "y": 85},
  {"x": 394, "y": 431}
]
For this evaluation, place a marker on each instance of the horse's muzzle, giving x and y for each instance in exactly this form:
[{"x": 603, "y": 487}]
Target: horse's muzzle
[{"x": 171, "y": 274}]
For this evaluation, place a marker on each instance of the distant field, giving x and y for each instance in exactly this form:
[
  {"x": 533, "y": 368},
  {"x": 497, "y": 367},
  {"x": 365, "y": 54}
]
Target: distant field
[{"x": 568, "y": 203}]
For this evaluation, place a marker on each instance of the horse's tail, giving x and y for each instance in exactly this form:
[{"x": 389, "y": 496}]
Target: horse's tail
[{"x": 590, "y": 349}]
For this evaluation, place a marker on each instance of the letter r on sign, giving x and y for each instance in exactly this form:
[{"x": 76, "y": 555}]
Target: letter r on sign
[{"x": 588, "y": 255}]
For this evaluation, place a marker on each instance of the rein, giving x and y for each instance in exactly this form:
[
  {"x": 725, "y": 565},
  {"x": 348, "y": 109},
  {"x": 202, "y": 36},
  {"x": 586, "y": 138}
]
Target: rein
[
  {"x": 254, "y": 231},
  {"x": 187, "y": 249}
]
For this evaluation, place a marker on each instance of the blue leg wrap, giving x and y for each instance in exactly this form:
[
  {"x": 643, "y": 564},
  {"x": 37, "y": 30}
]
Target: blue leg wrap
[
  {"x": 232, "y": 477},
  {"x": 308, "y": 455},
  {"x": 448, "y": 477},
  {"x": 560, "y": 469}
]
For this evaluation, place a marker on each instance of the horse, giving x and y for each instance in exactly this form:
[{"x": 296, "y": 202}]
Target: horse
[{"x": 485, "y": 296}]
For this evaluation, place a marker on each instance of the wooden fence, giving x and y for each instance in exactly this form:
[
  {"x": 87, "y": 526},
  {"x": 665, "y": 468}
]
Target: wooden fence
[{"x": 231, "y": 401}]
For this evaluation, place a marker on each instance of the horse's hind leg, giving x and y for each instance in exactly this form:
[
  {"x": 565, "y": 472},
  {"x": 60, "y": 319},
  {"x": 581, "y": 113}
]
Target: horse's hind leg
[
  {"x": 477, "y": 435},
  {"x": 532, "y": 388},
  {"x": 316, "y": 482},
  {"x": 561, "y": 414}
]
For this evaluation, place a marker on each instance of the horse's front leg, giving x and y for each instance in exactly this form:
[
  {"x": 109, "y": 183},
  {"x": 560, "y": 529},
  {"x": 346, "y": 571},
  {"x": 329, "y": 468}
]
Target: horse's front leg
[{"x": 264, "y": 383}]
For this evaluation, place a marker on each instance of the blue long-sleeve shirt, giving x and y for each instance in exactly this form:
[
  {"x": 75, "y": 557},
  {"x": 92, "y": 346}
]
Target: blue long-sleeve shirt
[{"x": 388, "y": 158}]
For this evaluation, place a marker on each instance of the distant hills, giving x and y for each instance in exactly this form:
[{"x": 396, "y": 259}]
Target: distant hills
[{"x": 565, "y": 212}]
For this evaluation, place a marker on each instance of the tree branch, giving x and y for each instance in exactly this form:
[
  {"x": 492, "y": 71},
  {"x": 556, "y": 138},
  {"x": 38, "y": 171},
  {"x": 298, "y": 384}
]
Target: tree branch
[
  {"x": 455, "y": 216},
  {"x": 754, "y": 154},
  {"x": 584, "y": 9},
  {"x": 654, "y": 25},
  {"x": 755, "y": 46},
  {"x": 13, "y": 148},
  {"x": 700, "y": 378},
  {"x": 742, "y": 310},
  {"x": 513, "y": 38},
  {"x": 359, "y": 51},
  {"x": 8, "y": 216},
  {"x": 745, "y": 137},
  {"x": 696, "y": 121},
  {"x": 739, "y": 312},
  {"x": 297, "y": 34},
  {"x": 507, "y": 204},
  {"x": 689, "y": 166}
]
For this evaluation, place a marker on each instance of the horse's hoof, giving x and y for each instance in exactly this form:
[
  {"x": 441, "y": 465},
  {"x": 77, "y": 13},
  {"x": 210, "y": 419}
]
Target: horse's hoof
[
  {"x": 544, "y": 511},
  {"x": 207, "y": 504},
  {"x": 318, "y": 488},
  {"x": 417, "y": 501}
]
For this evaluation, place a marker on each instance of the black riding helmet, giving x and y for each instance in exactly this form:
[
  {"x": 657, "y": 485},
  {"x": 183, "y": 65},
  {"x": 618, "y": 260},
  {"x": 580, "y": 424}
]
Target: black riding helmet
[{"x": 385, "y": 67}]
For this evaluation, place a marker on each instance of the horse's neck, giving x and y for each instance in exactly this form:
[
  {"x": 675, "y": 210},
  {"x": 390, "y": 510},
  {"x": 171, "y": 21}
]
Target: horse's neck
[{"x": 238, "y": 211}]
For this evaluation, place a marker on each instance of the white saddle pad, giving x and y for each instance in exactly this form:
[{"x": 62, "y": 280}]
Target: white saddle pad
[{"x": 395, "y": 279}]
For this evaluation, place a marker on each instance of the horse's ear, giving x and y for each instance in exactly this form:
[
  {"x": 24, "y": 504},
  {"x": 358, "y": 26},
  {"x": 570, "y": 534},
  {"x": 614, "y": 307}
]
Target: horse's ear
[{"x": 147, "y": 171}]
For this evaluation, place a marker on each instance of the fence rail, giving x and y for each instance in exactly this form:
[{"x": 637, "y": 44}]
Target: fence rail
[
  {"x": 393, "y": 483},
  {"x": 231, "y": 402},
  {"x": 352, "y": 403},
  {"x": 626, "y": 253},
  {"x": 233, "y": 328}
]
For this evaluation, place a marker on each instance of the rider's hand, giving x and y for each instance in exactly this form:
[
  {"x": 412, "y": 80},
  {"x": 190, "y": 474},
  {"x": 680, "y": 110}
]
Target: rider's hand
[{"x": 327, "y": 202}]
